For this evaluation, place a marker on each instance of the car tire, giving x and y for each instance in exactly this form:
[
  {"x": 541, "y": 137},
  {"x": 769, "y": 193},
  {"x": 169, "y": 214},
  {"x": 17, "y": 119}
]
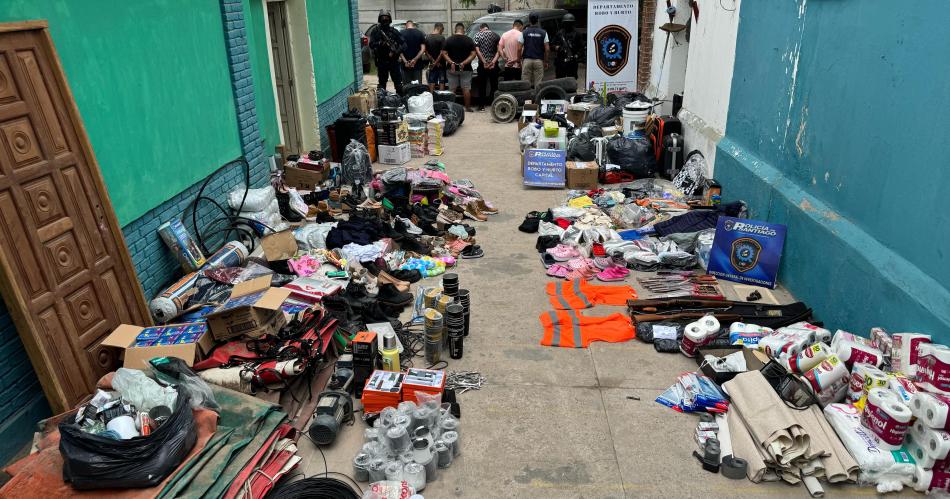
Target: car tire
[
  {"x": 569, "y": 84},
  {"x": 520, "y": 95},
  {"x": 513, "y": 86},
  {"x": 550, "y": 92},
  {"x": 504, "y": 108},
  {"x": 443, "y": 96}
]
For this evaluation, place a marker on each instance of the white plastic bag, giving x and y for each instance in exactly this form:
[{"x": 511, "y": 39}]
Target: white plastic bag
[
  {"x": 141, "y": 391},
  {"x": 421, "y": 104},
  {"x": 257, "y": 199},
  {"x": 313, "y": 236},
  {"x": 297, "y": 203}
]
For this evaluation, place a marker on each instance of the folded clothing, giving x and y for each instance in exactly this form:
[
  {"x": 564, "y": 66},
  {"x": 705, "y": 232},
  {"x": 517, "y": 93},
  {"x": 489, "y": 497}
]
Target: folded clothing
[{"x": 568, "y": 328}]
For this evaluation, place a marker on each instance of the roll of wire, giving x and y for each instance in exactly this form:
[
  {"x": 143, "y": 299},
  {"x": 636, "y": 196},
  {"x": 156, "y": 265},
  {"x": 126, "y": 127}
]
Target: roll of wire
[{"x": 322, "y": 487}]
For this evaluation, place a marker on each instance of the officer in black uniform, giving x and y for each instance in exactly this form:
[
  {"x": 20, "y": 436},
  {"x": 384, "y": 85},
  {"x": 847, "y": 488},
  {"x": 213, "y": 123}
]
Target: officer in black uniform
[
  {"x": 568, "y": 48},
  {"x": 386, "y": 44}
]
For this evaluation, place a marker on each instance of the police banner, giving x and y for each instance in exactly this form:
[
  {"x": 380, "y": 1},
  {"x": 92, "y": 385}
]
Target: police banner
[
  {"x": 612, "y": 44},
  {"x": 747, "y": 251}
]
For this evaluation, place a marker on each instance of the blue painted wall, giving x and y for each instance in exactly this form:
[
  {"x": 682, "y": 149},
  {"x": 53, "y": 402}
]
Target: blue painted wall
[{"x": 837, "y": 125}]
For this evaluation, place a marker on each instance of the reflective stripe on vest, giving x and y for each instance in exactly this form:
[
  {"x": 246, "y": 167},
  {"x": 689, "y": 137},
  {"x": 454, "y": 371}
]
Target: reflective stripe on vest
[
  {"x": 557, "y": 323},
  {"x": 568, "y": 296}
]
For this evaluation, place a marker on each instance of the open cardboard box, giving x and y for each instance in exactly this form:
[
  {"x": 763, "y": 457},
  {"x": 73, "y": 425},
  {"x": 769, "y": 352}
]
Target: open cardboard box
[
  {"x": 123, "y": 338},
  {"x": 252, "y": 310}
]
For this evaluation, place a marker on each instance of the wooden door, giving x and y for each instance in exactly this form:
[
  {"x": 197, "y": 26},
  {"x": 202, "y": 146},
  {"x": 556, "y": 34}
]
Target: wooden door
[
  {"x": 65, "y": 272},
  {"x": 284, "y": 76}
]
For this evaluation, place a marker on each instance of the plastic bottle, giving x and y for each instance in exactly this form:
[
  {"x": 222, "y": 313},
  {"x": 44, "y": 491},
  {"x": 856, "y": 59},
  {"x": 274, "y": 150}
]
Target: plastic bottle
[{"x": 390, "y": 353}]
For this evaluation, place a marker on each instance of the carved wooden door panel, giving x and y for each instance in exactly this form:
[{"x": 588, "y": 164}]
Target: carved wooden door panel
[{"x": 65, "y": 272}]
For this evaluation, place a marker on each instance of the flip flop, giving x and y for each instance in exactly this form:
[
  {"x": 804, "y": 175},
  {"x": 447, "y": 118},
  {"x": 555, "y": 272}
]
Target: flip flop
[{"x": 473, "y": 251}]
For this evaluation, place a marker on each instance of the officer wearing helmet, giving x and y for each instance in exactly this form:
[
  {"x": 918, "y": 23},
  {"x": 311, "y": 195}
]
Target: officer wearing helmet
[
  {"x": 386, "y": 44},
  {"x": 568, "y": 47}
]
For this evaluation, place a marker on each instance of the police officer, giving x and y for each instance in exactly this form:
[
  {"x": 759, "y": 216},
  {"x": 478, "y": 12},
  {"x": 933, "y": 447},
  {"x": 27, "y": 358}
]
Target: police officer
[
  {"x": 535, "y": 47},
  {"x": 568, "y": 48},
  {"x": 387, "y": 44}
]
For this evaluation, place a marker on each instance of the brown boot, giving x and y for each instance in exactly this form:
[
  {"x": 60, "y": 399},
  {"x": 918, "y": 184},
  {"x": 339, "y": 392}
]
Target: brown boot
[
  {"x": 482, "y": 205},
  {"x": 472, "y": 211}
]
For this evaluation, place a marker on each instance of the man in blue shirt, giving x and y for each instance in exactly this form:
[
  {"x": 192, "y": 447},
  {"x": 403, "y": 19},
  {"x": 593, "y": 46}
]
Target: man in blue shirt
[{"x": 534, "y": 51}]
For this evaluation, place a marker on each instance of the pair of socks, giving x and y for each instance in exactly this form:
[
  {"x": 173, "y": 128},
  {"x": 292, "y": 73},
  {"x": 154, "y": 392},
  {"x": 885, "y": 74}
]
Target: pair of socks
[{"x": 577, "y": 294}]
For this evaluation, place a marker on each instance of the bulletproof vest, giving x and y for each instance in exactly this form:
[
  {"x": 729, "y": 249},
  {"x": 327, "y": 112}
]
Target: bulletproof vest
[{"x": 533, "y": 42}]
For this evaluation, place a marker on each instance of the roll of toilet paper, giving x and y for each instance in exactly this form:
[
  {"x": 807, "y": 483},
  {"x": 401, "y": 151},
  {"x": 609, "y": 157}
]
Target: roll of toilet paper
[
  {"x": 856, "y": 385},
  {"x": 932, "y": 409},
  {"x": 710, "y": 324},
  {"x": 830, "y": 372},
  {"x": 886, "y": 417},
  {"x": 933, "y": 367},
  {"x": 697, "y": 334},
  {"x": 852, "y": 352},
  {"x": 876, "y": 378},
  {"x": 904, "y": 351},
  {"x": 808, "y": 358},
  {"x": 916, "y": 450},
  {"x": 925, "y": 479},
  {"x": 936, "y": 443}
]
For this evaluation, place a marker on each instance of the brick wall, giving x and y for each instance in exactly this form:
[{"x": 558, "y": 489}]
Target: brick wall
[
  {"x": 154, "y": 263},
  {"x": 645, "y": 62},
  {"x": 22, "y": 402},
  {"x": 242, "y": 81}
]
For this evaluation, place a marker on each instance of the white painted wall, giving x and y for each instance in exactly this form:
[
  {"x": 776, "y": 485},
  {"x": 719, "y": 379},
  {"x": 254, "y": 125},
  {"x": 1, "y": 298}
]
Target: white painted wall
[
  {"x": 305, "y": 84},
  {"x": 672, "y": 79},
  {"x": 712, "y": 54}
]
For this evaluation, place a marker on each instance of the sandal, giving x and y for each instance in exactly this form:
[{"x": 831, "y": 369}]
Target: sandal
[
  {"x": 473, "y": 251},
  {"x": 563, "y": 252},
  {"x": 597, "y": 249},
  {"x": 558, "y": 270}
]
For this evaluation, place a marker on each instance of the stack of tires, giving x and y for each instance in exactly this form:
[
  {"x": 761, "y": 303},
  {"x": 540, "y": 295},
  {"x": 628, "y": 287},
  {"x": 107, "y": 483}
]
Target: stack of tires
[{"x": 556, "y": 89}]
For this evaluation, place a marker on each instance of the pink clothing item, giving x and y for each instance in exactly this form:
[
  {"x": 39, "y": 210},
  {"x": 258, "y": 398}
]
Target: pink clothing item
[
  {"x": 509, "y": 48},
  {"x": 305, "y": 266}
]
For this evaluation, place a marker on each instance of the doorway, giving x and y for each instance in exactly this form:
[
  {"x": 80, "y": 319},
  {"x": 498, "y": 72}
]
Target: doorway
[
  {"x": 284, "y": 76},
  {"x": 65, "y": 273}
]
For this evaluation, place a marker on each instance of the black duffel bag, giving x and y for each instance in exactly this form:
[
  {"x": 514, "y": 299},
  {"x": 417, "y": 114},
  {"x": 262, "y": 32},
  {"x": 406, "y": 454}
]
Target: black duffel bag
[{"x": 96, "y": 462}]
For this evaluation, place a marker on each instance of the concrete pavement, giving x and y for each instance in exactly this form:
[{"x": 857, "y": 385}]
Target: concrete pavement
[{"x": 551, "y": 422}]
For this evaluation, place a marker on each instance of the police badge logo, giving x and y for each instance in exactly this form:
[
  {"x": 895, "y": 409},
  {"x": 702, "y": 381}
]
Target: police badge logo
[
  {"x": 613, "y": 44},
  {"x": 745, "y": 253}
]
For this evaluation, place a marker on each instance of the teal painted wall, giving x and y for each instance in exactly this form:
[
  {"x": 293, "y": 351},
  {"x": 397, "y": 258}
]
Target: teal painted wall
[
  {"x": 837, "y": 125},
  {"x": 331, "y": 43},
  {"x": 260, "y": 66},
  {"x": 151, "y": 83}
]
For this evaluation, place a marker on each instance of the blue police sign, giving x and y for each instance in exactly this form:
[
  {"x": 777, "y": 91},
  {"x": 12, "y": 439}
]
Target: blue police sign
[
  {"x": 544, "y": 167},
  {"x": 747, "y": 251}
]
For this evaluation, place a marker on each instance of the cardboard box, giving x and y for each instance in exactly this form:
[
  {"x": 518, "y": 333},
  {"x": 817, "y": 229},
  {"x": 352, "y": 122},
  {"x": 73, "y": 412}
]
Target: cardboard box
[
  {"x": 395, "y": 155},
  {"x": 577, "y": 113},
  {"x": 359, "y": 102},
  {"x": 279, "y": 246},
  {"x": 306, "y": 180},
  {"x": 553, "y": 106},
  {"x": 252, "y": 310},
  {"x": 125, "y": 337},
  {"x": 528, "y": 114},
  {"x": 582, "y": 175}
]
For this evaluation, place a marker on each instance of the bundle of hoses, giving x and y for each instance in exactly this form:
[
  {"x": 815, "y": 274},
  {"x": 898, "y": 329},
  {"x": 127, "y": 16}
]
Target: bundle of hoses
[{"x": 322, "y": 487}]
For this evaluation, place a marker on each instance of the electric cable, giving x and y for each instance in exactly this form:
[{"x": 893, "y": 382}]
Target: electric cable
[
  {"x": 230, "y": 220},
  {"x": 324, "y": 487}
]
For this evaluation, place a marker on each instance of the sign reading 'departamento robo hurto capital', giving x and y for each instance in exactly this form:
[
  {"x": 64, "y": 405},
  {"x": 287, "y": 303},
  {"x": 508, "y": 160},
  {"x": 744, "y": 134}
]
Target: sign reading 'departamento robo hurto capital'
[
  {"x": 747, "y": 251},
  {"x": 612, "y": 44}
]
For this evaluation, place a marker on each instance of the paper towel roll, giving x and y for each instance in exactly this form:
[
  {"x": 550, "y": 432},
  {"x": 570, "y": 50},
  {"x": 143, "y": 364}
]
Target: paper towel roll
[
  {"x": 710, "y": 324},
  {"x": 886, "y": 417},
  {"x": 922, "y": 479},
  {"x": 808, "y": 358},
  {"x": 915, "y": 449},
  {"x": 695, "y": 335},
  {"x": 876, "y": 378},
  {"x": 856, "y": 385},
  {"x": 852, "y": 352},
  {"x": 932, "y": 409},
  {"x": 936, "y": 443},
  {"x": 828, "y": 373},
  {"x": 841, "y": 335},
  {"x": 904, "y": 351},
  {"x": 933, "y": 367}
]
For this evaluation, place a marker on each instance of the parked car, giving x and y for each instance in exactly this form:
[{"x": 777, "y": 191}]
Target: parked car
[{"x": 366, "y": 53}]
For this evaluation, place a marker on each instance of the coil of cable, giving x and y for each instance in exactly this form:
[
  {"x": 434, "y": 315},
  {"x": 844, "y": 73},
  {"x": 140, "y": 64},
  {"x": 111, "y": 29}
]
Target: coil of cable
[{"x": 315, "y": 487}]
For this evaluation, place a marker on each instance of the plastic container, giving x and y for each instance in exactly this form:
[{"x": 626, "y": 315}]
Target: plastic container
[{"x": 634, "y": 115}]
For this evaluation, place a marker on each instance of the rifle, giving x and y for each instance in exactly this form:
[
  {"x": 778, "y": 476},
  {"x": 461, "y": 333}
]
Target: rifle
[{"x": 391, "y": 44}]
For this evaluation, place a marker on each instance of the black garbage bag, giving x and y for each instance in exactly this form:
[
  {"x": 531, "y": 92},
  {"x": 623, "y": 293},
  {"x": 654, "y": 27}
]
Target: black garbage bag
[
  {"x": 96, "y": 462},
  {"x": 447, "y": 111},
  {"x": 665, "y": 336},
  {"x": 581, "y": 148},
  {"x": 388, "y": 99},
  {"x": 621, "y": 99},
  {"x": 633, "y": 155},
  {"x": 592, "y": 96},
  {"x": 604, "y": 116}
]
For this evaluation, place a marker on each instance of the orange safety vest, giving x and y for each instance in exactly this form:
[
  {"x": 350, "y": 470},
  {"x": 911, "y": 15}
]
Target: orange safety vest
[
  {"x": 578, "y": 293},
  {"x": 568, "y": 328}
]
